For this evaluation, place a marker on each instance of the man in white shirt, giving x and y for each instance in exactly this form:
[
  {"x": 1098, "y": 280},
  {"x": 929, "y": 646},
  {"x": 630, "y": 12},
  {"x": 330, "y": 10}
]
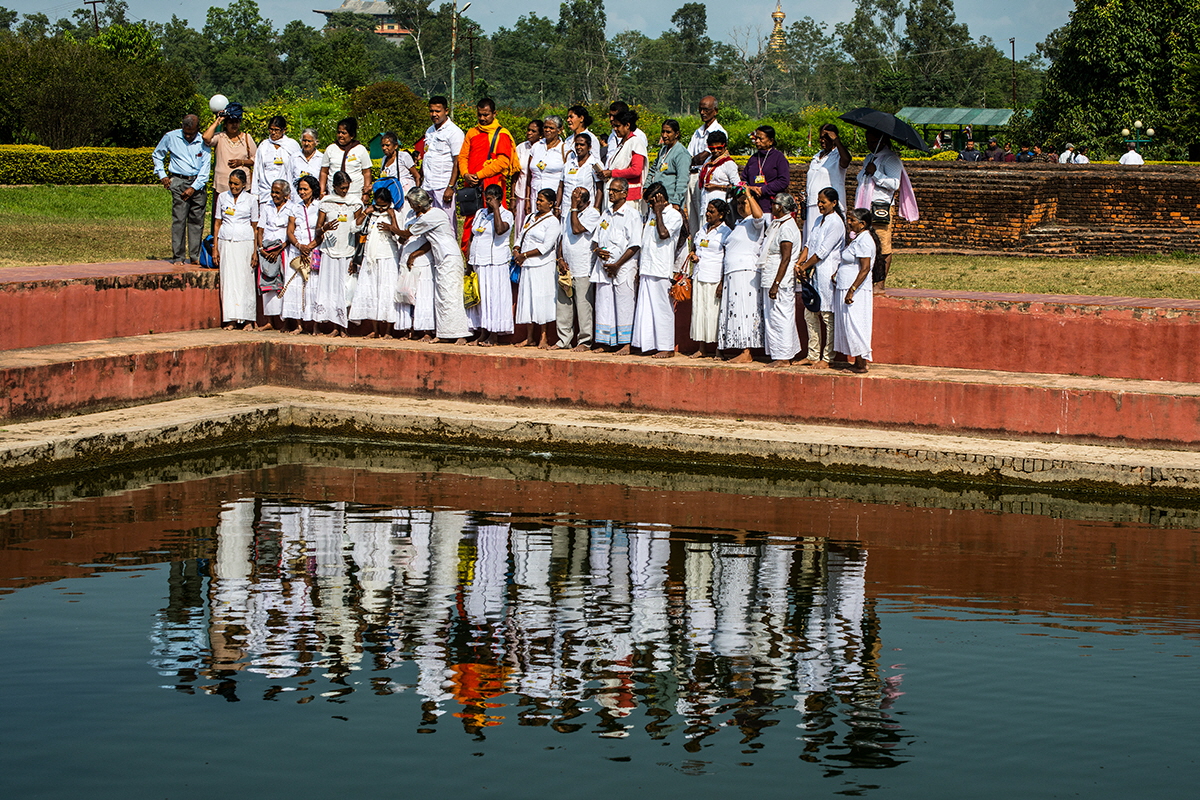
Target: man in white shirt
[
  {"x": 443, "y": 143},
  {"x": 579, "y": 225},
  {"x": 698, "y": 148},
  {"x": 1132, "y": 157},
  {"x": 883, "y": 165},
  {"x": 615, "y": 243},
  {"x": 1068, "y": 154}
]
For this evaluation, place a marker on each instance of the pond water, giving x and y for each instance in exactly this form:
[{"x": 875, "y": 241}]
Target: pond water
[{"x": 383, "y": 624}]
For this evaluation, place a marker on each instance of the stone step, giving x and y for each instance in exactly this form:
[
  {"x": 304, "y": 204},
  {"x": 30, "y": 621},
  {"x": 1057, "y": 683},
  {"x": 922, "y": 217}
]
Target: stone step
[{"x": 58, "y": 380}]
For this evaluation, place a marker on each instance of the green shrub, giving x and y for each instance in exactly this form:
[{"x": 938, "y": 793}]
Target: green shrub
[
  {"x": 22, "y": 164},
  {"x": 392, "y": 106}
]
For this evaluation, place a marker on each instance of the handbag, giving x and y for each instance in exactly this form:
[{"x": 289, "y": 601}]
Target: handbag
[
  {"x": 394, "y": 189},
  {"x": 881, "y": 212},
  {"x": 206, "y": 261},
  {"x": 270, "y": 270},
  {"x": 809, "y": 296},
  {"x": 567, "y": 283},
  {"x": 471, "y": 290},
  {"x": 514, "y": 271},
  {"x": 681, "y": 288},
  {"x": 470, "y": 198}
]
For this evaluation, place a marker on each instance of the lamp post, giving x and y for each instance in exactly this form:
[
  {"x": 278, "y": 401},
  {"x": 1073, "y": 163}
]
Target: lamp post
[
  {"x": 1135, "y": 136},
  {"x": 454, "y": 49}
]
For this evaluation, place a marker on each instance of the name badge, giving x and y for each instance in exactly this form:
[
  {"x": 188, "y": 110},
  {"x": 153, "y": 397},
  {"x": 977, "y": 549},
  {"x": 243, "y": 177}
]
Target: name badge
[
  {"x": 352, "y": 157},
  {"x": 761, "y": 179},
  {"x": 572, "y": 172},
  {"x": 704, "y": 242},
  {"x": 480, "y": 229},
  {"x": 604, "y": 225},
  {"x": 230, "y": 211},
  {"x": 342, "y": 217},
  {"x": 279, "y": 161},
  {"x": 541, "y": 165}
]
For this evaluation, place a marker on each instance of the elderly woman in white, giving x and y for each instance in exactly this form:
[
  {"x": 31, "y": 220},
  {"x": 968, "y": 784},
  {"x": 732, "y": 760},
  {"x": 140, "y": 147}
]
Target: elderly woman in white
[
  {"x": 819, "y": 261},
  {"x": 780, "y": 338},
  {"x": 535, "y": 255},
  {"x": 273, "y": 159},
  {"x": 547, "y": 163},
  {"x": 450, "y": 316},
  {"x": 273, "y": 217},
  {"x": 308, "y": 160},
  {"x": 340, "y": 215},
  {"x": 654, "y": 317}
]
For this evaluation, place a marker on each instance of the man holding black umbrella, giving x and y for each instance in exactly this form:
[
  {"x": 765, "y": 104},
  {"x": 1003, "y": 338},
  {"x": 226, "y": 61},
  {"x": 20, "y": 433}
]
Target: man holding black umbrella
[{"x": 883, "y": 166}]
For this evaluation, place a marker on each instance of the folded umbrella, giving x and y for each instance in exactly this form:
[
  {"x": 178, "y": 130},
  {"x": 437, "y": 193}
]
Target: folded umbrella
[{"x": 888, "y": 125}]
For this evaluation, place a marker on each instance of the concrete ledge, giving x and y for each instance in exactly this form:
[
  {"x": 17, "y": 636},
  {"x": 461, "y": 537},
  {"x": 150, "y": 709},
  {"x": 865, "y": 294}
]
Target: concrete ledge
[{"x": 41, "y": 448}]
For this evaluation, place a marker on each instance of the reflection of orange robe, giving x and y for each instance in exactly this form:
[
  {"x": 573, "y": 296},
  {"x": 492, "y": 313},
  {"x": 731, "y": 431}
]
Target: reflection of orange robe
[
  {"x": 474, "y": 684},
  {"x": 473, "y": 160}
]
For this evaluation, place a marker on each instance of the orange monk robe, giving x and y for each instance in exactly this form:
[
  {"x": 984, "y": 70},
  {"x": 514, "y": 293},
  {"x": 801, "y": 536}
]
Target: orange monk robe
[{"x": 473, "y": 160}]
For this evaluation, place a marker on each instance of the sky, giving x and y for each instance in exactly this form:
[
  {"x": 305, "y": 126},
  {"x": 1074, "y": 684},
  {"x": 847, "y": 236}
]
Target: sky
[{"x": 1027, "y": 20}]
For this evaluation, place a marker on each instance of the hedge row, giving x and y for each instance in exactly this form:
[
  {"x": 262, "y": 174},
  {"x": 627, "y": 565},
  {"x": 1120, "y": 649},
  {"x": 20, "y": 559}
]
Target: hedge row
[{"x": 22, "y": 164}]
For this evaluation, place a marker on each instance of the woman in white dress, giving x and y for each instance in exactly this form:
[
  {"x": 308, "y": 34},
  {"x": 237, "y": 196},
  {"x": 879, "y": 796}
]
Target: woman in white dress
[
  {"x": 547, "y": 162},
  {"x": 449, "y": 314},
  {"x": 339, "y": 218},
  {"x": 579, "y": 172},
  {"x": 707, "y": 267},
  {"x": 416, "y": 317},
  {"x": 347, "y": 155},
  {"x": 299, "y": 294},
  {"x": 852, "y": 308},
  {"x": 398, "y": 163},
  {"x": 579, "y": 123},
  {"x": 270, "y": 239},
  {"x": 654, "y": 316},
  {"x": 780, "y": 339},
  {"x": 533, "y": 134},
  {"x": 374, "y": 301},
  {"x": 535, "y": 255},
  {"x": 234, "y": 254},
  {"x": 827, "y": 169},
  {"x": 489, "y": 256},
  {"x": 308, "y": 160},
  {"x": 273, "y": 159},
  {"x": 740, "y": 326},
  {"x": 818, "y": 261}
]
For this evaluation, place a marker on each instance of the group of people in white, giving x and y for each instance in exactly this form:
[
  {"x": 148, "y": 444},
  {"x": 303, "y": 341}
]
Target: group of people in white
[
  {"x": 353, "y": 588},
  {"x": 601, "y": 245}
]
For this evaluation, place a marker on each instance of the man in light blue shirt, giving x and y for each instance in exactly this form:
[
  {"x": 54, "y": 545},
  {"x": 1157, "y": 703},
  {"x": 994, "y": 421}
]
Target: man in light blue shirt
[{"x": 190, "y": 161}]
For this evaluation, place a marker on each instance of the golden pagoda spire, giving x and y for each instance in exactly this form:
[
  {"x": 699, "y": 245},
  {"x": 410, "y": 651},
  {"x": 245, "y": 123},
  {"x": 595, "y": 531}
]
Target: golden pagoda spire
[{"x": 777, "y": 37}]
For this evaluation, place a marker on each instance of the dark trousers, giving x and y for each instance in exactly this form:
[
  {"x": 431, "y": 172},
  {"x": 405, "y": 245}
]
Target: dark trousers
[{"x": 187, "y": 220}]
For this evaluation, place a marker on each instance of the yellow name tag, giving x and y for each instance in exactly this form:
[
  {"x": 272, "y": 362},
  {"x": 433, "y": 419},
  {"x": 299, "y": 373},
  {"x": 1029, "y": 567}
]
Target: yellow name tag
[
  {"x": 761, "y": 179},
  {"x": 604, "y": 225},
  {"x": 342, "y": 217},
  {"x": 279, "y": 161},
  {"x": 230, "y": 211},
  {"x": 352, "y": 158},
  {"x": 541, "y": 165},
  {"x": 304, "y": 174},
  {"x": 704, "y": 242},
  {"x": 572, "y": 172},
  {"x": 480, "y": 229}
]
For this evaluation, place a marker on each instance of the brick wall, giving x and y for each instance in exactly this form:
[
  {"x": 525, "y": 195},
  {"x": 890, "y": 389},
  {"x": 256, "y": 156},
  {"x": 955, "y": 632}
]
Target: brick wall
[{"x": 1048, "y": 208}]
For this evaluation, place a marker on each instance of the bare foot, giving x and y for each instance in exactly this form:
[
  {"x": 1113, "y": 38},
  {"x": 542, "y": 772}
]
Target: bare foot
[
  {"x": 462, "y": 340},
  {"x": 543, "y": 345},
  {"x": 372, "y": 335},
  {"x": 624, "y": 351},
  {"x": 698, "y": 354},
  {"x": 266, "y": 326},
  {"x": 426, "y": 339},
  {"x": 295, "y": 332},
  {"x": 485, "y": 343},
  {"x": 227, "y": 327},
  {"x": 664, "y": 354},
  {"x": 821, "y": 365},
  {"x": 583, "y": 348},
  {"x": 522, "y": 343},
  {"x": 743, "y": 357},
  {"x": 338, "y": 333},
  {"x": 806, "y": 362},
  {"x": 599, "y": 349}
]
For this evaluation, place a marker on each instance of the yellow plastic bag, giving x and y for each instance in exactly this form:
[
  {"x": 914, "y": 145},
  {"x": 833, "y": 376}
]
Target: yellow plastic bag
[{"x": 471, "y": 289}]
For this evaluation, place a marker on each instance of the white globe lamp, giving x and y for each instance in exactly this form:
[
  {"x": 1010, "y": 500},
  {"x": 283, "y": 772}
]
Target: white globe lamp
[{"x": 218, "y": 103}]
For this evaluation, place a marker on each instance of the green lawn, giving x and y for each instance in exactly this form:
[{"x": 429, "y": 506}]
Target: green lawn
[{"x": 81, "y": 224}]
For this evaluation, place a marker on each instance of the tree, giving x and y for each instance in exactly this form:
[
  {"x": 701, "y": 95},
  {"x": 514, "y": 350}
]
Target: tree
[
  {"x": 583, "y": 48},
  {"x": 134, "y": 43},
  {"x": 933, "y": 47},
  {"x": 1119, "y": 61},
  {"x": 7, "y": 18},
  {"x": 871, "y": 41},
  {"x": 242, "y": 59}
]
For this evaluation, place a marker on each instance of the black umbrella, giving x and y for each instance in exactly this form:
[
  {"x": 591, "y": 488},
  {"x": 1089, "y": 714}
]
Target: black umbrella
[{"x": 888, "y": 125}]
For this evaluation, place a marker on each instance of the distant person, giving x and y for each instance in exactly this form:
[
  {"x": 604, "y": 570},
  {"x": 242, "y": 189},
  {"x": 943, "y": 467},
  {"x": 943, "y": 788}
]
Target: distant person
[
  {"x": 487, "y": 157},
  {"x": 1068, "y": 154},
  {"x": 628, "y": 158},
  {"x": 718, "y": 176},
  {"x": 1009, "y": 155},
  {"x": 1026, "y": 156},
  {"x": 232, "y": 148},
  {"x": 852, "y": 305},
  {"x": 579, "y": 122},
  {"x": 884, "y": 166},
  {"x": 186, "y": 156},
  {"x": 579, "y": 223},
  {"x": 994, "y": 151},
  {"x": 547, "y": 162},
  {"x": 707, "y": 271},
  {"x": 970, "y": 154},
  {"x": 450, "y": 316},
  {"x": 1042, "y": 157},
  {"x": 1132, "y": 158},
  {"x": 439, "y": 168},
  {"x": 654, "y": 315},
  {"x": 1081, "y": 156}
]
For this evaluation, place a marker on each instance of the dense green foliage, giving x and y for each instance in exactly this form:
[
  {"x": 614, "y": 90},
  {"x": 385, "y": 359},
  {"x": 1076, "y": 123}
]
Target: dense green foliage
[{"x": 30, "y": 164}]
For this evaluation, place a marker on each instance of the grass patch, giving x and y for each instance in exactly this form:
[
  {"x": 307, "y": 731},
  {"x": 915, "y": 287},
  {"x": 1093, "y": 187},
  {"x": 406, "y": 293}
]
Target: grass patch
[
  {"x": 1175, "y": 275},
  {"x": 83, "y": 224}
]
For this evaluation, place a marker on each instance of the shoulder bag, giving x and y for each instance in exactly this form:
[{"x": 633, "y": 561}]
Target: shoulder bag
[{"x": 470, "y": 198}]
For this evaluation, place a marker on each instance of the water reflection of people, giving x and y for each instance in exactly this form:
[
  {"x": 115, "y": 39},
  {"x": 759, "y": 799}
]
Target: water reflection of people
[{"x": 561, "y": 621}]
